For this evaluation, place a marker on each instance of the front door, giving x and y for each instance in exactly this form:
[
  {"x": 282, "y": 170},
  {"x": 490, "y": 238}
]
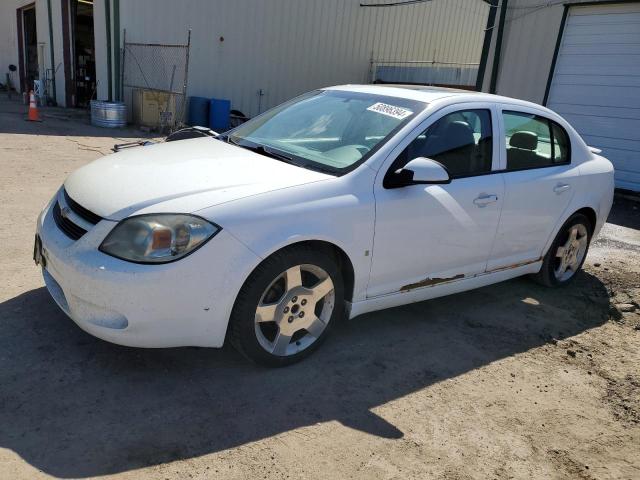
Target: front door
[{"x": 430, "y": 234}]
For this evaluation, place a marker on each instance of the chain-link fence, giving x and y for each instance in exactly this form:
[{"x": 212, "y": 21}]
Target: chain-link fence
[
  {"x": 446, "y": 74},
  {"x": 154, "y": 82}
]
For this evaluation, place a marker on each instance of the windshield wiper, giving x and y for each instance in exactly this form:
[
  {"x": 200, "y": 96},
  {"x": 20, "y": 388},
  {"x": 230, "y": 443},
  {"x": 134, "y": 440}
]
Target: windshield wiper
[
  {"x": 268, "y": 152},
  {"x": 262, "y": 150},
  {"x": 226, "y": 138}
]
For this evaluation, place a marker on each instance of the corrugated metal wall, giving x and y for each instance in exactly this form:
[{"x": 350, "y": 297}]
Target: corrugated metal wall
[
  {"x": 528, "y": 44},
  {"x": 286, "y": 47},
  {"x": 530, "y": 35}
]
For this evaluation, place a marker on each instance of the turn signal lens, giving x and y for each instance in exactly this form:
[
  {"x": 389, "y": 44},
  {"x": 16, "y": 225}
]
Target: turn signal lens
[{"x": 159, "y": 238}]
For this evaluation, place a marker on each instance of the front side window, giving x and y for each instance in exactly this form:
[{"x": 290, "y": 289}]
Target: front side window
[
  {"x": 461, "y": 141},
  {"x": 329, "y": 130},
  {"x": 533, "y": 141}
]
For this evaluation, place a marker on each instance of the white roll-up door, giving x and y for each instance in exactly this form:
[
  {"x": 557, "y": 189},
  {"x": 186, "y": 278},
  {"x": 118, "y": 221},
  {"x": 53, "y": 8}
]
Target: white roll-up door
[{"x": 596, "y": 83}]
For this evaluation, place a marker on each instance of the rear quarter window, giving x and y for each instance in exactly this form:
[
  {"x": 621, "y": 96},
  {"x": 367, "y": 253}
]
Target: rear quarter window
[{"x": 561, "y": 144}]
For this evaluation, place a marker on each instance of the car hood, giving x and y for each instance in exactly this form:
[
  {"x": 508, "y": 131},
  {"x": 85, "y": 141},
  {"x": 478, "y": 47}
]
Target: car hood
[{"x": 181, "y": 176}]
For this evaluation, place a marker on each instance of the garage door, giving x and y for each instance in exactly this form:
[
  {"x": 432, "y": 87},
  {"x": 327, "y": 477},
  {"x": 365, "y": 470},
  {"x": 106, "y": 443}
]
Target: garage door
[{"x": 596, "y": 83}]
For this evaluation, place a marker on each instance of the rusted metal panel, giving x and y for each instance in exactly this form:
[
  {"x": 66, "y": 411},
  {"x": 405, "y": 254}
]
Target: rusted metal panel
[{"x": 430, "y": 282}]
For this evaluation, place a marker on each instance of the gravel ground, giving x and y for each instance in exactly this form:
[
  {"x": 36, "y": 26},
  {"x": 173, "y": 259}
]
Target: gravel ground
[{"x": 508, "y": 381}]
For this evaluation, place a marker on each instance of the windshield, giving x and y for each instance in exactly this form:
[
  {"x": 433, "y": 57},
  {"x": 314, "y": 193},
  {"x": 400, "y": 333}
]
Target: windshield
[{"x": 327, "y": 130}]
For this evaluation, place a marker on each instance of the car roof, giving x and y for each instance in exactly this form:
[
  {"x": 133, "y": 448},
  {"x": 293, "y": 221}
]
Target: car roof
[{"x": 430, "y": 94}]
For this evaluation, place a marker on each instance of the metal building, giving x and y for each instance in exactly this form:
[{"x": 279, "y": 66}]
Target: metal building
[
  {"x": 256, "y": 53},
  {"x": 581, "y": 59}
]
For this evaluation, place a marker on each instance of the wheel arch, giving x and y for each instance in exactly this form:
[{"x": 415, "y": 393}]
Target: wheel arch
[
  {"x": 345, "y": 264},
  {"x": 587, "y": 211}
]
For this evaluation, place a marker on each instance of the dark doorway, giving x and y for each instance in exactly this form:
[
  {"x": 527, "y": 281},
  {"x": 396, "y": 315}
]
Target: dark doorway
[
  {"x": 29, "y": 41},
  {"x": 84, "y": 58}
]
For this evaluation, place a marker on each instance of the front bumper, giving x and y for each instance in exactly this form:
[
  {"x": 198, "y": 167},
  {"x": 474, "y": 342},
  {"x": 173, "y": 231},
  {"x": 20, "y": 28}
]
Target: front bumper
[{"x": 184, "y": 303}]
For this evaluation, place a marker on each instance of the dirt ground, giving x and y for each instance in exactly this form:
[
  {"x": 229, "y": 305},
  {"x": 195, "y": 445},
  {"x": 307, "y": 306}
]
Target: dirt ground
[{"x": 509, "y": 381}]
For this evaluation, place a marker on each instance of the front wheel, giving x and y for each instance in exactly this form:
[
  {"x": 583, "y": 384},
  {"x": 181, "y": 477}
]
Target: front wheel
[
  {"x": 567, "y": 253},
  {"x": 287, "y": 305}
]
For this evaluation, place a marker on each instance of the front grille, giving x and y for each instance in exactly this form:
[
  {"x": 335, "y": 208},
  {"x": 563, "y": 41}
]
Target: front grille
[
  {"x": 62, "y": 217},
  {"x": 69, "y": 228},
  {"x": 79, "y": 210}
]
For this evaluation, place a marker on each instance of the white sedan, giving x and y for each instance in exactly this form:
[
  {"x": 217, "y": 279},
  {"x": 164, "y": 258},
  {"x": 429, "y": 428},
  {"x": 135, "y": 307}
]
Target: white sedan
[{"x": 339, "y": 202}]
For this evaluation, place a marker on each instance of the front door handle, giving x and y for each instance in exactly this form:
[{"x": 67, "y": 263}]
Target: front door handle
[
  {"x": 484, "y": 200},
  {"x": 561, "y": 187}
]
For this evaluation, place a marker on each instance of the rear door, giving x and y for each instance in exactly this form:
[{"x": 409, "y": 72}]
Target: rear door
[{"x": 539, "y": 183}]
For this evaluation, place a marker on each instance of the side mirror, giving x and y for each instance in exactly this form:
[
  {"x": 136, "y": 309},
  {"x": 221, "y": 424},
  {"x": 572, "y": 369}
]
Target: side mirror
[{"x": 421, "y": 171}]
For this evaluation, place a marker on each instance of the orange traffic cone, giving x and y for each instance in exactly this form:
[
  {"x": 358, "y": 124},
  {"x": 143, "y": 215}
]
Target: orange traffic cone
[{"x": 33, "y": 108}]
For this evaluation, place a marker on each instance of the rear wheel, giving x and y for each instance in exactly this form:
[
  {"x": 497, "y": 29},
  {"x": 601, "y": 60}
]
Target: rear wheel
[
  {"x": 287, "y": 305},
  {"x": 567, "y": 253}
]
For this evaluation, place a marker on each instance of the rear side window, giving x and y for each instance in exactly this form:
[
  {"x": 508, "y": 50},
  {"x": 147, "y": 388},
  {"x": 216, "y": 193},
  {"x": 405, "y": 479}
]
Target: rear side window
[
  {"x": 534, "y": 141},
  {"x": 461, "y": 141}
]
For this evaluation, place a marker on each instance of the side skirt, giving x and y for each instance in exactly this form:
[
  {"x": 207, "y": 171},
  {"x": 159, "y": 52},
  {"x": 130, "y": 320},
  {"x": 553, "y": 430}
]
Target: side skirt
[{"x": 440, "y": 290}]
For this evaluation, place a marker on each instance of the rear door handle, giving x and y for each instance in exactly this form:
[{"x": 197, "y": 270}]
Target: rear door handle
[
  {"x": 561, "y": 187},
  {"x": 484, "y": 200}
]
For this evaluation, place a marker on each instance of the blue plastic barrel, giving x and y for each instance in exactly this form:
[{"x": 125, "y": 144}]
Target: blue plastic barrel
[
  {"x": 219, "y": 114},
  {"x": 198, "y": 112}
]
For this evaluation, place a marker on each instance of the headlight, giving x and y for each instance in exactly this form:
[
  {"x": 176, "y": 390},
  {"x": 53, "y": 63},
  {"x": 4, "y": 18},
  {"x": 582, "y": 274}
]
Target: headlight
[{"x": 157, "y": 238}]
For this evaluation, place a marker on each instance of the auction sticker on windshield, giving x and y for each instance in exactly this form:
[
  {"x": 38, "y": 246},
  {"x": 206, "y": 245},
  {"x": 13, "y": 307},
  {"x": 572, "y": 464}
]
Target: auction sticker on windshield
[{"x": 390, "y": 110}]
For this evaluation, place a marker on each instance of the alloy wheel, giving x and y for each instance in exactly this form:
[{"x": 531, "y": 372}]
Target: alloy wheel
[
  {"x": 294, "y": 310},
  {"x": 570, "y": 254}
]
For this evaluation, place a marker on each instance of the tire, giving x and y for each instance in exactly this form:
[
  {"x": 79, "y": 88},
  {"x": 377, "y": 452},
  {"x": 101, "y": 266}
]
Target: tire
[
  {"x": 308, "y": 305},
  {"x": 551, "y": 274}
]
